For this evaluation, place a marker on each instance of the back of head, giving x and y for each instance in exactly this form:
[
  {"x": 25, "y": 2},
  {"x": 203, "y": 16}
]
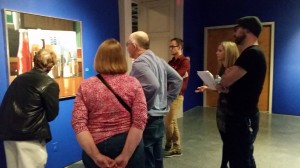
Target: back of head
[
  {"x": 109, "y": 58},
  {"x": 252, "y": 23},
  {"x": 44, "y": 60},
  {"x": 141, "y": 39}
]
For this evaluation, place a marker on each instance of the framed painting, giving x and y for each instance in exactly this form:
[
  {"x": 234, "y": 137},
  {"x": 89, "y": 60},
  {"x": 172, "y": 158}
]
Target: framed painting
[{"x": 27, "y": 33}]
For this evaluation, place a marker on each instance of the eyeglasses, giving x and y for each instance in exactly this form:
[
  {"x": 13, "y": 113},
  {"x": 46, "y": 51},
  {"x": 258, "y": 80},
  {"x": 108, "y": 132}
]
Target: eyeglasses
[
  {"x": 173, "y": 46},
  {"x": 127, "y": 43}
]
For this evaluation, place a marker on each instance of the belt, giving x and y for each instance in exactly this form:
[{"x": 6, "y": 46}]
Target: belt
[{"x": 155, "y": 117}]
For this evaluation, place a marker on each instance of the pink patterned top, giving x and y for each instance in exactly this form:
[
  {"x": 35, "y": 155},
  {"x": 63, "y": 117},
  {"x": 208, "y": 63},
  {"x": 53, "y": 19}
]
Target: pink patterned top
[{"x": 97, "y": 110}]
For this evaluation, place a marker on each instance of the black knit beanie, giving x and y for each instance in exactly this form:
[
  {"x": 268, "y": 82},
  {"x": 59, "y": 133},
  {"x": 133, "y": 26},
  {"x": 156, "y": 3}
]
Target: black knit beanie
[{"x": 252, "y": 23}]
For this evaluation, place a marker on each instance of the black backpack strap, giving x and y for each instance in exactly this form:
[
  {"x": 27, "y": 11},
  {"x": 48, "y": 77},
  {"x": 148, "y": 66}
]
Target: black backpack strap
[{"x": 117, "y": 96}]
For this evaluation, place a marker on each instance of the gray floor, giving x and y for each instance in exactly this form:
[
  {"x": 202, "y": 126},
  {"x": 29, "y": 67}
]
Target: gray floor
[{"x": 277, "y": 144}]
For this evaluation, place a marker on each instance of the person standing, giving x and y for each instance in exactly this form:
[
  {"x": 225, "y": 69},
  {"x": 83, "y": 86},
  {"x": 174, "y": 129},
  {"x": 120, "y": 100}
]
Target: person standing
[
  {"x": 182, "y": 65},
  {"x": 30, "y": 102},
  {"x": 110, "y": 133},
  {"x": 245, "y": 82},
  {"x": 227, "y": 53},
  {"x": 161, "y": 85}
]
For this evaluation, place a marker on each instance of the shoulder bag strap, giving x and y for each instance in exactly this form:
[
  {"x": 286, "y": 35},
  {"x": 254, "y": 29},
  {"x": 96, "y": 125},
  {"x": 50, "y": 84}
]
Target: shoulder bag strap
[{"x": 117, "y": 96}]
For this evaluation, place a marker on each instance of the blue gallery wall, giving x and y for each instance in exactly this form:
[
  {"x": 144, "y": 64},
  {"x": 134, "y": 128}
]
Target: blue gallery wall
[
  {"x": 285, "y": 14},
  {"x": 100, "y": 20}
]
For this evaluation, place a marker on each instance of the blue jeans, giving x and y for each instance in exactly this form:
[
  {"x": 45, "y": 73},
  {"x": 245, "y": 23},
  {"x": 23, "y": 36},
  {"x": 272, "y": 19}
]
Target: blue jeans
[
  {"x": 112, "y": 147},
  {"x": 153, "y": 136}
]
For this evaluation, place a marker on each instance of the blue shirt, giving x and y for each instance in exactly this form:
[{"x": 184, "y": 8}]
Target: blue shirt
[{"x": 160, "y": 82}]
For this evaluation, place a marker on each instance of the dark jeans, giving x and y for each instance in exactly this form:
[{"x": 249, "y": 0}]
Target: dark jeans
[
  {"x": 221, "y": 114},
  {"x": 241, "y": 133},
  {"x": 225, "y": 151},
  {"x": 153, "y": 136},
  {"x": 112, "y": 147},
  {"x": 2, "y": 155}
]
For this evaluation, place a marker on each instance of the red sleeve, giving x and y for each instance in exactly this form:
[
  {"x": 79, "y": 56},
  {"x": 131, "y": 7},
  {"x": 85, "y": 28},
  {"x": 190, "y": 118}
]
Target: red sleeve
[{"x": 185, "y": 67}]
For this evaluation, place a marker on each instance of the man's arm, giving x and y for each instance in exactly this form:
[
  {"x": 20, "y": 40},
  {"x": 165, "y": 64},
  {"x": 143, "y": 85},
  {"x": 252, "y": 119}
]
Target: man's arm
[
  {"x": 174, "y": 83},
  {"x": 148, "y": 80},
  {"x": 231, "y": 75}
]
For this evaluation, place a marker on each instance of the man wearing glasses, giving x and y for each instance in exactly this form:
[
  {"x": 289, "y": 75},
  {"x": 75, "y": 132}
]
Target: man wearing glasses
[{"x": 182, "y": 65}]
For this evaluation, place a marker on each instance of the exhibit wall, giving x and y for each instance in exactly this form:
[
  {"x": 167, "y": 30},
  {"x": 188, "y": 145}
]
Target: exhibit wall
[
  {"x": 99, "y": 21},
  {"x": 284, "y": 14}
]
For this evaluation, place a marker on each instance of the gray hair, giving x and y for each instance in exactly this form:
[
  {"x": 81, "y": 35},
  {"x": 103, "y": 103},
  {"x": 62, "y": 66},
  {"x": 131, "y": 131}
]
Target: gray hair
[{"x": 141, "y": 39}]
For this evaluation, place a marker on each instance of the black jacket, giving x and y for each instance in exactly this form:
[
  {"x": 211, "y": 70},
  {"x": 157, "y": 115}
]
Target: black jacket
[{"x": 30, "y": 102}]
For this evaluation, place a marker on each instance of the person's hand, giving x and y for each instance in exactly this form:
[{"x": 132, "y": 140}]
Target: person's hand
[
  {"x": 201, "y": 89},
  {"x": 219, "y": 88},
  {"x": 222, "y": 89},
  {"x": 104, "y": 161},
  {"x": 121, "y": 161}
]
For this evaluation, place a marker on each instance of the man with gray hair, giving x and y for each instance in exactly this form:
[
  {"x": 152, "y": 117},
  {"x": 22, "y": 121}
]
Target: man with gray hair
[
  {"x": 30, "y": 102},
  {"x": 161, "y": 85}
]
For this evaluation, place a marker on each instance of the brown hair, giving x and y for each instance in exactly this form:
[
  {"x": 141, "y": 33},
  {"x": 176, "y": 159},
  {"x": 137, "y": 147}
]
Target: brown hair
[
  {"x": 110, "y": 59},
  {"x": 44, "y": 60},
  {"x": 178, "y": 41}
]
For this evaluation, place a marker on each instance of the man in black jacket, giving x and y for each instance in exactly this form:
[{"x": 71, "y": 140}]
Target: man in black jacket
[{"x": 30, "y": 102}]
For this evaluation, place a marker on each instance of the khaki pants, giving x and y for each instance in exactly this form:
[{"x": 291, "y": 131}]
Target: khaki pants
[
  {"x": 25, "y": 154},
  {"x": 171, "y": 126}
]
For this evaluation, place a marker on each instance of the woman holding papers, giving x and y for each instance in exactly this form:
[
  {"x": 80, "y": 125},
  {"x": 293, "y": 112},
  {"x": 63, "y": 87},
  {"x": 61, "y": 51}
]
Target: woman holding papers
[{"x": 227, "y": 53}]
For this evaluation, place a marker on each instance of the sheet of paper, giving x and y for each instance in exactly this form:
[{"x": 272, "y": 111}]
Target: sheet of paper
[{"x": 208, "y": 79}]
